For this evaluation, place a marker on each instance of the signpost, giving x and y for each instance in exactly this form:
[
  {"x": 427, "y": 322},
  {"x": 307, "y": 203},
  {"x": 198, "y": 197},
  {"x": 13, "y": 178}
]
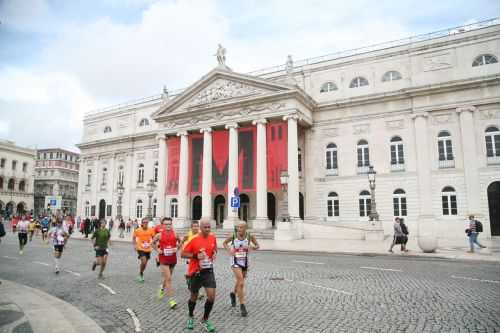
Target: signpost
[{"x": 235, "y": 200}]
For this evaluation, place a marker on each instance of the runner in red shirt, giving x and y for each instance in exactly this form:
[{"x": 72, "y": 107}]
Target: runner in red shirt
[
  {"x": 166, "y": 243},
  {"x": 159, "y": 228},
  {"x": 201, "y": 252}
]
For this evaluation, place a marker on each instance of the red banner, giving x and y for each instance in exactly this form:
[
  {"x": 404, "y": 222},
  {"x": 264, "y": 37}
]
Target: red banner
[
  {"x": 174, "y": 149},
  {"x": 277, "y": 153},
  {"x": 247, "y": 143},
  {"x": 195, "y": 163},
  {"x": 220, "y": 160}
]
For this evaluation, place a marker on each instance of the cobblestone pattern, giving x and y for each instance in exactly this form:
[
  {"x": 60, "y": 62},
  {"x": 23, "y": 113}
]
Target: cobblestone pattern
[{"x": 283, "y": 295}]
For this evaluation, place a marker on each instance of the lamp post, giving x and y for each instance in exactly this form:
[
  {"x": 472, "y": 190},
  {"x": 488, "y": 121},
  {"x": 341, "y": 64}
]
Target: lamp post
[
  {"x": 373, "y": 206},
  {"x": 120, "y": 189},
  {"x": 285, "y": 217},
  {"x": 150, "y": 188}
]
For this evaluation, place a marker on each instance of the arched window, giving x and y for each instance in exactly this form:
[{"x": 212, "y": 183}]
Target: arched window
[
  {"x": 155, "y": 205},
  {"x": 445, "y": 150},
  {"x": 391, "y": 76},
  {"x": 399, "y": 202},
  {"x": 11, "y": 184},
  {"x": 363, "y": 156},
  {"x": 173, "y": 208},
  {"x": 22, "y": 186},
  {"x": 121, "y": 174},
  {"x": 492, "y": 138},
  {"x": 144, "y": 122},
  {"x": 484, "y": 59},
  {"x": 1, "y": 183},
  {"x": 155, "y": 172},
  {"x": 331, "y": 157},
  {"x": 89, "y": 177},
  {"x": 365, "y": 202},
  {"x": 104, "y": 176},
  {"x": 332, "y": 204},
  {"x": 107, "y": 129},
  {"x": 138, "y": 209},
  {"x": 327, "y": 87},
  {"x": 397, "y": 152},
  {"x": 87, "y": 209},
  {"x": 299, "y": 159},
  {"x": 449, "y": 201},
  {"x": 358, "y": 82},
  {"x": 140, "y": 173}
]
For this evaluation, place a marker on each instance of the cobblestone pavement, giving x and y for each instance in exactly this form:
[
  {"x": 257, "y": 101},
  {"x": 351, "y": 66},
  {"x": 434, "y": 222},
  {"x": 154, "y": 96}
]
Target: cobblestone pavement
[{"x": 299, "y": 292}]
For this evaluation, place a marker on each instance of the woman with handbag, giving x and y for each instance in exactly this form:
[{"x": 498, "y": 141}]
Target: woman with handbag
[{"x": 399, "y": 236}]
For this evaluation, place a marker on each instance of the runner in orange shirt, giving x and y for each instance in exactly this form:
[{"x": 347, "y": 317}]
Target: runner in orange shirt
[{"x": 143, "y": 243}]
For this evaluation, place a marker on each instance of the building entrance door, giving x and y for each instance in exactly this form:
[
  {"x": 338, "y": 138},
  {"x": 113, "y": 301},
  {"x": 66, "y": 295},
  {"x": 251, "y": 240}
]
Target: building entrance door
[
  {"x": 102, "y": 209},
  {"x": 271, "y": 208},
  {"x": 219, "y": 206},
  {"x": 196, "y": 211},
  {"x": 243, "y": 212},
  {"x": 494, "y": 207}
]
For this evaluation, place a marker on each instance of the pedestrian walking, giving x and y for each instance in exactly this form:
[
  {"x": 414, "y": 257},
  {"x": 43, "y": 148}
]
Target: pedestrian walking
[
  {"x": 399, "y": 236},
  {"x": 129, "y": 225},
  {"x": 78, "y": 222},
  {"x": 406, "y": 232},
  {"x": 474, "y": 227},
  {"x": 22, "y": 233},
  {"x": 102, "y": 240},
  {"x": 111, "y": 223},
  {"x": 121, "y": 228}
]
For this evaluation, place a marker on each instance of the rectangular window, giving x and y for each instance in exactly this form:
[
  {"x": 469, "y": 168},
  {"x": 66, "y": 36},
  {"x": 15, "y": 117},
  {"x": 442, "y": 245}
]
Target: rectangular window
[
  {"x": 441, "y": 151},
  {"x": 395, "y": 202},
  {"x": 394, "y": 157},
  {"x": 489, "y": 146},
  {"x": 403, "y": 207},
  {"x": 401, "y": 157},
  {"x": 2, "y": 163},
  {"x": 330, "y": 208},
  {"x": 446, "y": 209},
  {"x": 329, "y": 160},
  {"x": 25, "y": 167},
  {"x": 92, "y": 210},
  {"x": 449, "y": 150},
  {"x": 336, "y": 209},
  {"x": 108, "y": 210},
  {"x": 362, "y": 207},
  {"x": 453, "y": 204},
  {"x": 497, "y": 145},
  {"x": 360, "y": 157}
]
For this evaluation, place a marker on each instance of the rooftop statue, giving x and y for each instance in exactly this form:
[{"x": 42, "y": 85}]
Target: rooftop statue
[{"x": 221, "y": 55}]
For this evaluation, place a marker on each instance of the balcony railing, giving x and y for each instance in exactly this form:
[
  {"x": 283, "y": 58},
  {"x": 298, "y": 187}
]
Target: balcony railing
[
  {"x": 332, "y": 172},
  {"x": 363, "y": 169},
  {"x": 493, "y": 160},
  {"x": 446, "y": 164},
  {"x": 398, "y": 167}
]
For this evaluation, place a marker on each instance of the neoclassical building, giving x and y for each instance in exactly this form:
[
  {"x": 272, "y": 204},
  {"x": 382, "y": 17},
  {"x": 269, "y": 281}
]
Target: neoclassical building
[{"x": 424, "y": 112}]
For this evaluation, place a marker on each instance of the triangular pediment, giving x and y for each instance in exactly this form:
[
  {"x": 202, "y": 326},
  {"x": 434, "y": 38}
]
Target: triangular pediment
[{"x": 220, "y": 86}]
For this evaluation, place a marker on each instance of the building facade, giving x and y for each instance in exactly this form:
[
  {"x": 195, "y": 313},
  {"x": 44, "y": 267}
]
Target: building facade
[
  {"x": 424, "y": 112},
  {"x": 56, "y": 181},
  {"x": 16, "y": 179}
]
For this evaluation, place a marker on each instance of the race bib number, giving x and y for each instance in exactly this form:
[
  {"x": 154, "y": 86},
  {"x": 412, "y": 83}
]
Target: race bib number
[
  {"x": 240, "y": 254},
  {"x": 145, "y": 245},
  {"x": 206, "y": 263},
  {"x": 169, "y": 251}
]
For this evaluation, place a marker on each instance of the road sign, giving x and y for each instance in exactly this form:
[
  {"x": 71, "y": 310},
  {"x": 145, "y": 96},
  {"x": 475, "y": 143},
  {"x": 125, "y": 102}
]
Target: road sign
[
  {"x": 235, "y": 202},
  {"x": 53, "y": 202},
  {"x": 236, "y": 192}
]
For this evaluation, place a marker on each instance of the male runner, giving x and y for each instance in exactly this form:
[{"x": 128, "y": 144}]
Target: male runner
[
  {"x": 166, "y": 244},
  {"x": 143, "y": 241},
  {"x": 22, "y": 233},
  {"x": 45, "y": 228},
  {"x": 159, "y": 228},
  {"x": 59, "y": 237},
  {"x": 201, "y": 252},
  {"x": 238, "y": 245},
  {"x": 31, "y": 229},
  {"x": 101, "y": 242},
  {"x": 193, "y": 232}
]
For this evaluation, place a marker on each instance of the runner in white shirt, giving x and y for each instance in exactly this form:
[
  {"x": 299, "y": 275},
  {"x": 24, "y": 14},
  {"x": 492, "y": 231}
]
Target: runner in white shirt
[
  {"x": 59, "y": 237},
  {"x": 22, "y": 233}
]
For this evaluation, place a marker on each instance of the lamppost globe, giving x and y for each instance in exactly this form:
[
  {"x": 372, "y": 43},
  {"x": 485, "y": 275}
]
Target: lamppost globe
[{"x": 371, "y": 176}]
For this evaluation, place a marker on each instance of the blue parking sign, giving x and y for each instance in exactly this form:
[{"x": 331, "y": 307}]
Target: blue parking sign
[
  {"x": 53, "y": 202},
  {"x": 235, "y": 202}
]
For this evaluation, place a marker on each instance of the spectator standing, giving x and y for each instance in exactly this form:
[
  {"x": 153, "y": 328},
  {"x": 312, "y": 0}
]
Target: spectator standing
[{"x": 121, "y": 227}]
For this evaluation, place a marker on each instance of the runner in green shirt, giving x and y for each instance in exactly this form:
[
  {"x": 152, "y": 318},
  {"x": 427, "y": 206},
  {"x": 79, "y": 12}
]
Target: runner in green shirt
[{"x": 101, "y": 242}]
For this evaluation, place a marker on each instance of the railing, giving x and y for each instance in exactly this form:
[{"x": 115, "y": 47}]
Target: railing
[
  {"x": 446, "y": 164},
  {"x": 332, "y": 172},
  {"x": 363, "y": 169},
  {"x": 493, "y": 160},
  {"x": 397, "y": 167}
]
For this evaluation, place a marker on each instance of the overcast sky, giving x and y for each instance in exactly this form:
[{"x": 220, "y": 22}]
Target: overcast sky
[{"x": 60, "y": 59}]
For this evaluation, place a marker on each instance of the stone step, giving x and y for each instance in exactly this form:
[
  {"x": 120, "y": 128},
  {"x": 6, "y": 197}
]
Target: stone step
[{"x": 223, "y": 233}]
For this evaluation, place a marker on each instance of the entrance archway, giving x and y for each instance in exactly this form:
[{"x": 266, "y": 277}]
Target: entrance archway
[
  {"x": 21, "y": 208},
  {"x": 102, "y": 209},
  {"x": 301, "y": 206},
  {"x": 271, "y": 208},
  {"x": 219, "y": 207},
  {"x": 196, "y": 208},
  {"x": 494, "y": 207},
  {"x": 244, "y": 209},
  {"x": 9, "y": 208}
]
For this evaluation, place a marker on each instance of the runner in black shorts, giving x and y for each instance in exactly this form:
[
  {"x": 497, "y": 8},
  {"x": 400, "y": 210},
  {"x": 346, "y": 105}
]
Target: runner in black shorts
[
  {"x": 102, "y": 240},
  {"x": 59, "y": 237}
]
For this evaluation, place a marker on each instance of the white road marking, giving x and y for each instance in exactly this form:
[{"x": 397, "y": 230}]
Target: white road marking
[
  {"x": 41, "y": 263},
  {"x": 108, "y": 289},
  {"x": 11, "y": 258},
  {"x": 309, "y": 262},
  {"x": 326, "y": 288},
  {"x": 71, "y": 272},
  {"x": 382, "y": 269},
  {"x": 473, "y": 279},
  {"x": 137, "y": 323}
]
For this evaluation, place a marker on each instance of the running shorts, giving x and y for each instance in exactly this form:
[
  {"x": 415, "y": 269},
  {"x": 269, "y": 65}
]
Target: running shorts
[
  {"x": 101, "y": 253},
  {"x": 143, "y": 254},
  {"x": 204, "y": 278},
  {"x": 58, "y": 248}
]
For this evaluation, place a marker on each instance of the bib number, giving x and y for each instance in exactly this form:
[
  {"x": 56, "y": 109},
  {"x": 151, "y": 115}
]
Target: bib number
[
  {"x": 205, "y": 263},
  {"x": 169, "y": 251},
  {"x": 145, "y": 245}
]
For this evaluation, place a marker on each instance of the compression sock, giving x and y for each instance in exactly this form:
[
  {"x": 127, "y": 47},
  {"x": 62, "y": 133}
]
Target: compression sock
[
  {"x": 191, "y": 306},
  {"x": 208, "y": 308}
]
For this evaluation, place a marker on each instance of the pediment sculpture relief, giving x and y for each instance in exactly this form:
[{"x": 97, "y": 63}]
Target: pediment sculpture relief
[{"x": 221, "y": 90}]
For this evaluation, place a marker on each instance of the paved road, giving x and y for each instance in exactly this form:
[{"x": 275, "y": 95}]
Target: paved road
[{"x": 286, "y": 292}]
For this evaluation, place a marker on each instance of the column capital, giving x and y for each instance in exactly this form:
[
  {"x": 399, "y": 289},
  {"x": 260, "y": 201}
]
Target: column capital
[
  {"x": 423, "y": 114},
  {"x": 160, "y": 137},
  {"x": 293, "y": 116},
  {"x": 231, "y": 125},
  {"x": 206, "y": 129},
  {"x": 467, "y": 108},
  {"x": 261, "y": 121},
  {"x": 182, "y": 133}
]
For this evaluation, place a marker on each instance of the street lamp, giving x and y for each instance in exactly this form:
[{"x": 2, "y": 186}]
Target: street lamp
[
  {"x": 151, "y": 186},
  {"x": 284, "y": 187},
  {"x": 373, "y": 206},
  {"x": 120, "y": 189}
]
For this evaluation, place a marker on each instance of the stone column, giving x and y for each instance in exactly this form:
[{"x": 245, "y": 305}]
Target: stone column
[
  {"x": 232, "y": 174},
  {"x": 182, "y": 216},
  {"x": 162, "y": 172},
  {"x": 128, "y": 208},
  {"x": 206, "y": 187},
  {"x": 261, "y": 220},
  {"x": 427, "y": 238},
  {"x": 470, "y": 158}
]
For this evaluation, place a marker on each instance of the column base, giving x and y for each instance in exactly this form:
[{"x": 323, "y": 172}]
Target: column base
[
  {"x": 289, "y": 230},
  {"x": 261, "y": 223},
  {"x": 374, "y": 232},
  {"x": 181, "y": 222},
  {"x": 230, "y": 222}
]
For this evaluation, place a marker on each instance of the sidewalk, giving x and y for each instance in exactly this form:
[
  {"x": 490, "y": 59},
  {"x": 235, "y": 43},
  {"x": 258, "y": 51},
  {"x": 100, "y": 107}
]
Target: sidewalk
[
  {"x": 25, "y": 309},
  {"x": 448, "y": 249}
]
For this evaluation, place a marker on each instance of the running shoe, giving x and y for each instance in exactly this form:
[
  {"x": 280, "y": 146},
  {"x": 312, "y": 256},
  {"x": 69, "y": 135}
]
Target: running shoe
[
  {"x": 207, "y": 324},
  {"x": 94, "y": 265},
  {"x": 140, "y": 279},
  {"x": 161, "y": 293},
  {"x": 232, "y": 296},
  {"x": 21, "y": 252},
  {"x": 243, "y": 310},
  {"x": 190, "y": 324},
  {"x": 172, "y": 303}
]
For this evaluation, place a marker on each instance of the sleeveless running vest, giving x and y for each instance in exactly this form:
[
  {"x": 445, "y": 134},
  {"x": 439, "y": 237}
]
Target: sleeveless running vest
[
  {"x": 168, "y": 244},
  {"x": 241, "y": 247}
]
